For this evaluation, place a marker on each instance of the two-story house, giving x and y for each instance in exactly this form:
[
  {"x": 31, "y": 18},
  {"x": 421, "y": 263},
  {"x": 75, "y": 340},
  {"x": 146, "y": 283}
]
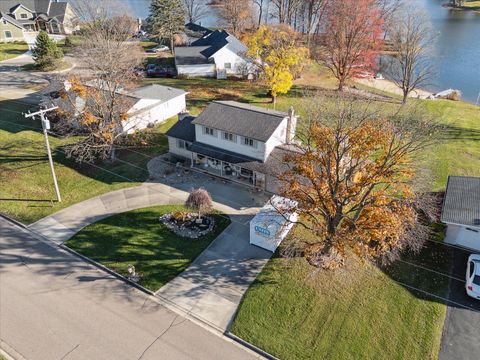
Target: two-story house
[
  {"x": 17, "y": 16},
  {"x": 237, "y": 141},
  {"x": 217, "y": 53}
]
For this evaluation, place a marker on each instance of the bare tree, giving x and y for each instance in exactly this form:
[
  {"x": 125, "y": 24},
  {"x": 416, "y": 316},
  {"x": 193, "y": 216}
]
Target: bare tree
[
  {"x": 284, "y": 10},
  {"x": 312, "y": 11},
  {"x": 236, "y": 15},
  {"x": 261, "y": 5},
  {"x": 351, "y": 39},
  {"x": 411, "y": 38},
  {"x": 109, "y": 60},
  {"x": 195, "y": 9}
]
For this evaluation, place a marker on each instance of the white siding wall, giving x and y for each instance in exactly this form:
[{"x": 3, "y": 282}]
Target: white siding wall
[
  {"x": 155, "y": 115},
  {"x": 174, "y": 149},
  {"x": 460, "y": 235},
  {"x": 237, "y": 147},
  {"x": 225, "y": 55},
  {"x": 207, "y": 70},
  {"x": 278, "y": 138}
]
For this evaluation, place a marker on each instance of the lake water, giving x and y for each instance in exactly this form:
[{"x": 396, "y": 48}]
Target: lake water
[{"x": 456, "y": 53}]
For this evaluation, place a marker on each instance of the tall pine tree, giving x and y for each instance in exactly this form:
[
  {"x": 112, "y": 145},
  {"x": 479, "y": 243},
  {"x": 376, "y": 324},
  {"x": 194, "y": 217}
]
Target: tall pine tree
[
  {"x": 166, "y": 19},
  {"x": 46, "y": 53}
]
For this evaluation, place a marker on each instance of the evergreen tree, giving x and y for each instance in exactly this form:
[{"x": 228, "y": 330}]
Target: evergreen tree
[
  {"x": 46, "y": 53},
  {"x": 166, "y": 19}
]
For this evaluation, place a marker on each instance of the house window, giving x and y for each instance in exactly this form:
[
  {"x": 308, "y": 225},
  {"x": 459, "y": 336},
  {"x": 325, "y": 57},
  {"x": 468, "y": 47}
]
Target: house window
[
  {"x": 23, "y": 16},
  {"x": 228, "y": 66},
  {"x": 209, "y": 131},
  {"x": 249, "y": 142},
  {"x": 181, "y": 144},
  {"x": 229, "y": 137},
  {"x": 8, "y": 34}
]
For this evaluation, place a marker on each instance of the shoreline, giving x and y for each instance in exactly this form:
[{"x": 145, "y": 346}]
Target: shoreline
[
  {"x": 461, "y": 8},
  {"x": 389, "y": 87}
]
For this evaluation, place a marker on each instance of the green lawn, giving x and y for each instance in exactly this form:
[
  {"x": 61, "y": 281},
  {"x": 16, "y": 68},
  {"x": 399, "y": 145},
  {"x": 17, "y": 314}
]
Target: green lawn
[
  {"x": 11, "y": 50},
  {"x": 138, "y": 238},
  {"x": 27, "y": 190},
  {"x": 358, "y": 312}
]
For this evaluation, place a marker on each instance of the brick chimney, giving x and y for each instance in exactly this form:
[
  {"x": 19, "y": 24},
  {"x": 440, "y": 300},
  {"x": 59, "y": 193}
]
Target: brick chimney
[{"x": 291, "y": 126}]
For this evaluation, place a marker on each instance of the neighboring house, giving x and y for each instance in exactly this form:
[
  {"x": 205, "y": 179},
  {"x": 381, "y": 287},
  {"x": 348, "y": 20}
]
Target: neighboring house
[
  {"x": 461, "y": 211},
  {"x": 54, "y": 17},
  {"x": 148, "y": 105},
  {"x": 195, "y": 31},
  {"x": 236, "y": 141},
  {"x": 217, "y": 53}
]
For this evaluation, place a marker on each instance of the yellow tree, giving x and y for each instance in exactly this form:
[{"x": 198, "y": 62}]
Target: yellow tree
[
  {"x": 277, "y": 53},
  {"x": 355, "y": 181}
]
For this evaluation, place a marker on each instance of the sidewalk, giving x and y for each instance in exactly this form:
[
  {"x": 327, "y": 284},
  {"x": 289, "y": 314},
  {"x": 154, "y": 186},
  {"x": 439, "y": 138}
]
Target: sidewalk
[{"x": 212, "y": 286}]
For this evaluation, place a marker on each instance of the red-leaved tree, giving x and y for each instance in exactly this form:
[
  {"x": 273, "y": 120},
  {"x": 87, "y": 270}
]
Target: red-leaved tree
[{"x": 352, "y": 38}]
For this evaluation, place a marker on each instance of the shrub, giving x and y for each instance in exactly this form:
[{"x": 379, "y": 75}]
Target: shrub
[
  {"x": 199, "y": 200},
  {"x": 46, "y": 53}
]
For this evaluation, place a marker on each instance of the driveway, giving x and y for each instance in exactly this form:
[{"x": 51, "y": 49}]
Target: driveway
[
  {"x": 211, "y": 288},
  {"x": 55, "y": 306},
  {"x": 461, "y": 332}
]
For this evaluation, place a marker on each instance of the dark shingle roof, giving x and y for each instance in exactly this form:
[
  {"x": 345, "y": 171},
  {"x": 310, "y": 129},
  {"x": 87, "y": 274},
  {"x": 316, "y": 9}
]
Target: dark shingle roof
[
  {"x": 241, "y": 119},
  {"x": 462, "y": 201},
  {"x": 58, "y": 10},
  {"x": 221, "y": 154},
  {"x": 192, "y": 55},
  {"x": 214, "y": 41},
  {"x": 183, "y": 129},
  {"x": 197, "y": 28},
  {"x": 11, "y": 19}
]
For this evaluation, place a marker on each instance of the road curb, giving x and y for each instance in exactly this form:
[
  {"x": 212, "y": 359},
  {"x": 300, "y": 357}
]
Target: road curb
[
  {"x": 250, "y": 346},
  {"x": 9, "y": 219}
]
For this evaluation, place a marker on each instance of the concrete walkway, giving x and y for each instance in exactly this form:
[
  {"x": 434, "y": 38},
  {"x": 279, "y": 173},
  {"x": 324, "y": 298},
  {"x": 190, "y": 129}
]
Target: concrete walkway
[{"x": 212, "y": 287}]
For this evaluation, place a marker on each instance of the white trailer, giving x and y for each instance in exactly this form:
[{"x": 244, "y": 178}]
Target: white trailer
[{"x": 273, "y": 222}]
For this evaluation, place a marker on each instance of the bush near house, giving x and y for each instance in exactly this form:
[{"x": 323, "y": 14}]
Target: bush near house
[{"x": 46, "y": 53}]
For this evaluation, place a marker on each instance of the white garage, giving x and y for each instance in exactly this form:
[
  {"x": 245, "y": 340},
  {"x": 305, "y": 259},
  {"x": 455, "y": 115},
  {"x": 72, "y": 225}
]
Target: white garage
[
  {"x": 461, "y": 212},
  {"x": 273, "y": 222}
]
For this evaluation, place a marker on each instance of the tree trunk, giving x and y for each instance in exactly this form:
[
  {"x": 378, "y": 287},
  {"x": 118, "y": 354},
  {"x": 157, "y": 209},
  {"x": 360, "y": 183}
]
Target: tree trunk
[
  {"x": 405, "y": 97},
  {"x": 341, "y": 84}
]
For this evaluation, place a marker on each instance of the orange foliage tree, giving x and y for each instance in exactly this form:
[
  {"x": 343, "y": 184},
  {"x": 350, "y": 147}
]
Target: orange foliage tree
[
  {"x": 354, "y": 178},
  {"x": 352, "y": 38}
]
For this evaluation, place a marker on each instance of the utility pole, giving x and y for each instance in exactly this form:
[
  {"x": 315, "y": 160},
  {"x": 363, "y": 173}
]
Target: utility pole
[{"x": 46, "y": 127}]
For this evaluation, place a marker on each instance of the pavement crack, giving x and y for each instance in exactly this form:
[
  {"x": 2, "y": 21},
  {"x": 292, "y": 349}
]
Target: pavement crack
[
  {"x": 68, "y": 353},
  {"x": 171, "y": 325}
]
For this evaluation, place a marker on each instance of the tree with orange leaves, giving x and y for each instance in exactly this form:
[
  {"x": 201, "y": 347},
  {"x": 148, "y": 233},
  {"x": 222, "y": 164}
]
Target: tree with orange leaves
[
  {"x": 352, "y": 38},
  {"x": 354, "y": 178}
]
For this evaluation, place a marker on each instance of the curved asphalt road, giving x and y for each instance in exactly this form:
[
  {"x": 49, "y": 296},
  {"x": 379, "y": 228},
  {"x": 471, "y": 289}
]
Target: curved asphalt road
[{"x": 55, "y": 306}]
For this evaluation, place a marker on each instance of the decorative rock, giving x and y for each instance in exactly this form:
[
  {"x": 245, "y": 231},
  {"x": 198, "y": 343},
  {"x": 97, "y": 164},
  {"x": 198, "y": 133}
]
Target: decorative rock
[{"x": 180, "y": 227}]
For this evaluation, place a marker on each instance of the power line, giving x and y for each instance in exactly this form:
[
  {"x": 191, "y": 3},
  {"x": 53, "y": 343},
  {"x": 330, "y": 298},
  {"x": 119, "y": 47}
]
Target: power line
[{"x": 397, "y": 281}]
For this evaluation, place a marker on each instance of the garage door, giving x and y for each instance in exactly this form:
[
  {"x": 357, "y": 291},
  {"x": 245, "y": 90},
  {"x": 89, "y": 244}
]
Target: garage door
[{"x": 469, "y": 237}]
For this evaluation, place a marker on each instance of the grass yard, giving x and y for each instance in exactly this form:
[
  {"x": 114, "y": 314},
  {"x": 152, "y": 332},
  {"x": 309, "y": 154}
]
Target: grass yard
[
  {"x": 27, "y": 192},
  {"x": 11, "y": 50},
  {"x": 358, "y": 312},
  {"x": 138, "y": 238}
]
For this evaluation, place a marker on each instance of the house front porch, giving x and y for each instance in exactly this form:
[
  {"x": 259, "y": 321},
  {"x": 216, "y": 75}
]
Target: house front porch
[{"x": 226, "y": 165}]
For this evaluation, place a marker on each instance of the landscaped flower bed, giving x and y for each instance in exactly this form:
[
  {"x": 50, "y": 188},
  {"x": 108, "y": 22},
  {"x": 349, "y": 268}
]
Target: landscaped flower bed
[{"x": 188, "y": 224}]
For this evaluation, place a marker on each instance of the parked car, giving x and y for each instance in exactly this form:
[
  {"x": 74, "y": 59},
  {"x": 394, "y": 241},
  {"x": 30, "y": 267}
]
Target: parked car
[
  {"x": 472, "y": 283},
  {"x": 159, "y": 71},
  {"x": 158, "y": 48}
]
